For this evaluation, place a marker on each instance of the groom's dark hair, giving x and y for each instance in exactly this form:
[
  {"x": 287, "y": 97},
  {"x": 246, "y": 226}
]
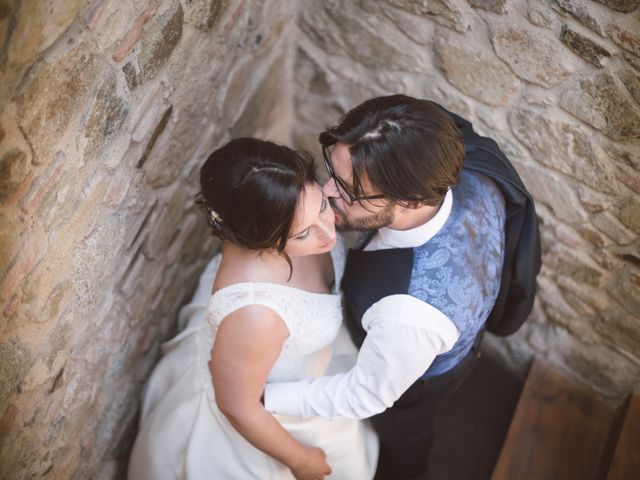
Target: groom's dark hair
[{"x": 409, "y": 149}]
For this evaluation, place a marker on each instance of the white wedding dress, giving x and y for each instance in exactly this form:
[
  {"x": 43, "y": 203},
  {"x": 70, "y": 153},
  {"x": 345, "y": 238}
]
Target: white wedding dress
[{"x": 182, "y": 433}]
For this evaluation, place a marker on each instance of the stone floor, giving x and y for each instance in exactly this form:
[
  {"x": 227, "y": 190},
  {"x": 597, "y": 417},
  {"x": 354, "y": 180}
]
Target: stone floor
[{"x": 473, "y": 424}]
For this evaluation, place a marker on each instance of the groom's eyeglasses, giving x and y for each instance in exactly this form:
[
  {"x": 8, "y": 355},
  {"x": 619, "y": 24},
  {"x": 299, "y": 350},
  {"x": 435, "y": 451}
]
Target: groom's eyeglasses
[{"x": 344, "y": 192}]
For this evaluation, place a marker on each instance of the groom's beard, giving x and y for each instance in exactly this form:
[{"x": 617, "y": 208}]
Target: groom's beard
[{"x": 344, "y": 223}]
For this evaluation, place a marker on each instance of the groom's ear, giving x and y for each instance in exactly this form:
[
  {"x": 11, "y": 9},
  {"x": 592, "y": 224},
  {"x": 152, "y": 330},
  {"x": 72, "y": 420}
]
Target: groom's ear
[{"x": 411, "y": 205}]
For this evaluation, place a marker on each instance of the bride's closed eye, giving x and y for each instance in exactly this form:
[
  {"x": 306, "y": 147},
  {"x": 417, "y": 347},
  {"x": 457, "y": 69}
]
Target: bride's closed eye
[{"x": 303, "y": 235}]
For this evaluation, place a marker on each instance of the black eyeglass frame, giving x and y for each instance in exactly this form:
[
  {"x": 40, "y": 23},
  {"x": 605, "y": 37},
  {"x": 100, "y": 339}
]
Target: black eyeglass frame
[{"x": 344, "y": 192}]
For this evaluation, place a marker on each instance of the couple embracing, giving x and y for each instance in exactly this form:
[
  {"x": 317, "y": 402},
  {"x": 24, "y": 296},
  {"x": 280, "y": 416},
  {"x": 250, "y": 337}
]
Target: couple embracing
[{"x": 256, "y": 386}]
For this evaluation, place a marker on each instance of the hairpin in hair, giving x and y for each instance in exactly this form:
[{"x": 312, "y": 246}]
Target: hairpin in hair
[{"x": 215, "y": 217}]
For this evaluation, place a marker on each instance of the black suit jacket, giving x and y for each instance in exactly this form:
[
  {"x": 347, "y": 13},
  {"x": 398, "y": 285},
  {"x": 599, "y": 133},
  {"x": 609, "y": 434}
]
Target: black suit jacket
[{"x": 522, "y": 239}]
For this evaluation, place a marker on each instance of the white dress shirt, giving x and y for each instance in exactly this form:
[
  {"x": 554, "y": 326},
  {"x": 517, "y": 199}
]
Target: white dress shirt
[{"x": 404, "y": 335}]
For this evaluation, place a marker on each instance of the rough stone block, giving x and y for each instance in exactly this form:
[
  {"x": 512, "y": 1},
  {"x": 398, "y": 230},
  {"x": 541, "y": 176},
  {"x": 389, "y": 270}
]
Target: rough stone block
[
  {"x": 262, "y": 104},
  {"x": 608, "y": 224},
  {"x": 620, "y": 328},
  {"x": 582, "y": 12},
  {"x": 607, "y": 260},
  {"x": 118, "y": 189},
  {"x": 111, "y": 21},
  {"x": 84, "y": 217},
  {"x": 348, "y": 32},
  {"x": 532, "y": 54},
  {"x": 632, "y": 59},
  {"x": 495, "y": 6},
  {"x": 568, "y": 236},
  {"x": 43, "y": 184},
  {"x": 601, "y": 102},
  {"x": 15, "y": 360},
  {"x": 244, "y": 78},
  {"x": 7, "y": 12},
  {"x": 130, "y": 75},
  {"x": 626, "y": 38},
  {"x": 626, "y": 291},
  {"x": 28, "y": 256},
  {"x": 581, "y": 45},
  {"x": 374, "y": 50},
  {"x": 630, "y": 177},
  {"x": 37, "y": 287},
  {"x": 14, "y": 168},
  {"x": 316, "y": 23},
  {"x": 13, "y": 145},
  {"x": 133, "y": 35},
  {"x": 7, "y": 421},
  {"x": 233, "y": 19},
  {"x": 205, "y": 14},
  {"x": 560, "y": 312},
  {"x": 610, "y": 372},
  {"x": 593, "y": 236},
  {"x": 564, "y": 147},
  {"x": 554, "y": 191},
  {"x": 105, "y": 116},
  {"x": 539, "y": 15},
  {"x": 37, "y": 26},
  {"x": 624, "y": 154},
  {"x": 186, "y": 231},
  {"x": 153, "y": 138},
  {"x": 165, "y": 229},
  {"x": 624, "y": 6},
  {"x": 631, "y": 81},
  {"x": 95, "y": 259},
  {"x": 148, "y": 287},
  {"x": 309, "y": 75},
  {"x": 476, "y": 73},
  {"x": 159, "y": 40},
  {"x": 597, "y": 298},
  {"x": 132, "y": 275},
  {"x": 148, "y": 115},
  {"x": 54, "y": 95},
  {"x": 575, "y": 264},
  {"x": 136, "y": 221},
  {"x": 630, "y": 213},
  {"x": 413, "y": 26},
  {"x": 444, "y": 12}
]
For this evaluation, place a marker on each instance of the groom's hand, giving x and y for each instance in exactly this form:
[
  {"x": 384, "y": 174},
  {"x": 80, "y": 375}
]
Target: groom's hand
[{"x": 314, "y": 466}]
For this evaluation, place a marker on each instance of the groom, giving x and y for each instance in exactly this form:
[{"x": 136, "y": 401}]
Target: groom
[{"x": 419, "y": 290}]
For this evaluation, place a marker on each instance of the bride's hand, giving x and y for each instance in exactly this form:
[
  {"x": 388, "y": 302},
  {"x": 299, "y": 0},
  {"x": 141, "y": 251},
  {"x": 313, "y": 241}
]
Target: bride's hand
[{"x": 314, "y": 467}]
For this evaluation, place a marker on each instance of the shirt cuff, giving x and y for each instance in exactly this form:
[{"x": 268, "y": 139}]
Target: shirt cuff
[{"x": 284, "y": 397}]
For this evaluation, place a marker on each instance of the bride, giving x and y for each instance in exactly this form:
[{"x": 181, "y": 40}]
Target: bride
[{"x": 267, "y": 309}]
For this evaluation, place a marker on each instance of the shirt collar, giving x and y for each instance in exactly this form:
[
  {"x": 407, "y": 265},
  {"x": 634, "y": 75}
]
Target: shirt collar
[{"x": 414, "y": 237}]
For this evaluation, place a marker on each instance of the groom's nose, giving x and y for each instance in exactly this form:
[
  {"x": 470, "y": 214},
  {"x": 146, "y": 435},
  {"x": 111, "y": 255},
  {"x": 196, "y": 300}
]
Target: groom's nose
[{"x": 330, "y": 189}]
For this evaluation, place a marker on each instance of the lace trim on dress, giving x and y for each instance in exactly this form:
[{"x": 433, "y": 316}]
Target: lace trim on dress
[{"x": 313, "y": 320}]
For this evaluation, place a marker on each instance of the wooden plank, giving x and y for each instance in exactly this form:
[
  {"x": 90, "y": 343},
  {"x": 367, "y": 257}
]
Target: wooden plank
[
  {"x": 559, "y": 430},
  {"x": 626, "y": 458}
]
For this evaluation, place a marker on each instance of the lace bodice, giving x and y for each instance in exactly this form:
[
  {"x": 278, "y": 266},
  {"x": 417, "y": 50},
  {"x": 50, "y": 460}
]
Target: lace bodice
[{"x": 313, "y": 319}]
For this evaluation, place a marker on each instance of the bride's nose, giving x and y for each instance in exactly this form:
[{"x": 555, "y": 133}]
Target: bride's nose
[
  {"x": 327, "y": 227},
  {"x": 330, "y": 189}
]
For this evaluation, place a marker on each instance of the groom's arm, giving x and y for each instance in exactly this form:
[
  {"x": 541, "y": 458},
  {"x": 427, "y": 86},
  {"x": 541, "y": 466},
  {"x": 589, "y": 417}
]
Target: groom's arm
[{"x": 404, "y": 335}]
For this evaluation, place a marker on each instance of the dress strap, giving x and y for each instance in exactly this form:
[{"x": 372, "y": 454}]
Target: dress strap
[{"x": 229, "y": 299}]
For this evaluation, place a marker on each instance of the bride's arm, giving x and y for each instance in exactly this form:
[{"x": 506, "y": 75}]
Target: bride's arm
[{"x": 247, "y": 345}]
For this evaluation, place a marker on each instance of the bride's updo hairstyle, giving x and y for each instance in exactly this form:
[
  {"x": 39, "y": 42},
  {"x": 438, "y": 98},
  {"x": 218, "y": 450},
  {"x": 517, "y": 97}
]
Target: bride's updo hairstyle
[{"x": 250, "y": 190}]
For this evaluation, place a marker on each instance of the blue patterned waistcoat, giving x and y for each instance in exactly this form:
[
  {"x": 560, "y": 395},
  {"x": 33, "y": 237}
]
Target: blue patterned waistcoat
[{"x": 457, "y": 271}]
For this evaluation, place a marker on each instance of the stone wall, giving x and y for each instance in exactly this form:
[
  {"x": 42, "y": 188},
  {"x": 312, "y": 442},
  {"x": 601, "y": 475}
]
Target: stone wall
[
  {"x": 556, "y": 83},
  {"x": 107, "y": 109}
]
